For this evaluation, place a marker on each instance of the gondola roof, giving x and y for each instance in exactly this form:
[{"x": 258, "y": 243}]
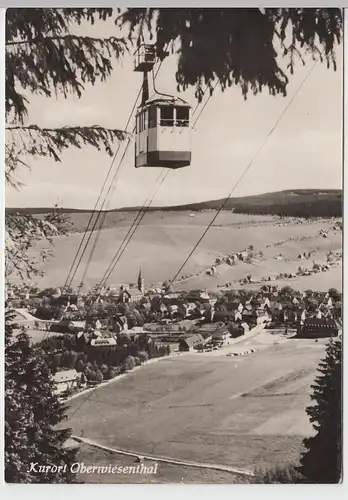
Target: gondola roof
[{"x": 159, "y": 99}]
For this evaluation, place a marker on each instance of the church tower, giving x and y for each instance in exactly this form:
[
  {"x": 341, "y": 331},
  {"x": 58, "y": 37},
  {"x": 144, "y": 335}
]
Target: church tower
[{"x": 141, "y": 282}]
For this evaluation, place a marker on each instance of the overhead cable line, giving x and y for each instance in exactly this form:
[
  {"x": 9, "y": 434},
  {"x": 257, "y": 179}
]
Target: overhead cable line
[
  {"x": 72, "y": 272},
  {"x": 205, "y": 104},
  {"x": 242, "y": 175},
  {"x": 133, "y": 228},
  {"x": 77, "y": 260},
  {"x": 142, "y": 212},
  {"x": 104, "y": 212}
]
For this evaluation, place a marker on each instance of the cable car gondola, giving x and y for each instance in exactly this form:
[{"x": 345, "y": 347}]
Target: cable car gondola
[{"x": 163, "y": 132}]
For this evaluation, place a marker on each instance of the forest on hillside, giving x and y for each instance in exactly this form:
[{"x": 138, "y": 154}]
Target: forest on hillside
[
  {"x": 305, "y": 203},
  {"x": 316, "y": 208}
]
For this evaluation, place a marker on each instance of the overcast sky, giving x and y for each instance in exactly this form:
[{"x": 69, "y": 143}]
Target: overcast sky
[{"x": 303, "y": 152}]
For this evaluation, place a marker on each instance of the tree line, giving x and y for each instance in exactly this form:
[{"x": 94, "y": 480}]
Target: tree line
[{"x": 316, "y": 208}]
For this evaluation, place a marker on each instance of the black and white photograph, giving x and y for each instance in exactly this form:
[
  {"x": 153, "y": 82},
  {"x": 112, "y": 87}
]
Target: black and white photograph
[{"x": 173, "y": 248}]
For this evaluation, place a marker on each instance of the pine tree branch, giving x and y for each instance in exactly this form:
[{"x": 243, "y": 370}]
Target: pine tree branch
[
  {"x": 32, "y": 22},
  {"x": 22, "y": 234},
  {"x": 52, "y": 142},
  {"x": 64, "y": 38},
  {"x": 13, "y": 160},
  {"x": 236, "y": 46},
  {"x": 61, "y": 64}
]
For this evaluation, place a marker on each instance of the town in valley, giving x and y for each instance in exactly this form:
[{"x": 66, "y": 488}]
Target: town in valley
[
  {"x": 173, "y": 272},
  {"x": 97, "y": 336}
]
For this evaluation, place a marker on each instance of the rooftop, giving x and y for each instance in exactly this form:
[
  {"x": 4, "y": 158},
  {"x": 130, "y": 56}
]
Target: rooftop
[
  {"x": 193, "y": 340},
  {"x": 65, "y": 376}
]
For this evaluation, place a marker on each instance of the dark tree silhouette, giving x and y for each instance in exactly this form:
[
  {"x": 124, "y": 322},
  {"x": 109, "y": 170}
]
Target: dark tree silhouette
[
  {"x": 44, "y": 57},
  {"x": 32, "y": 413},
  {"x": 322, "y": 460},
  {"x": 238, "y": 46}
]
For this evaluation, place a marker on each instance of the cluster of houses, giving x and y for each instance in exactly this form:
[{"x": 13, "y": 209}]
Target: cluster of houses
[
  {"x": 126, "y": 293},
  {"x": 233, "y": 258},
  {"x": 304, "y": 314},
  {"x": 195, "y": 313}
]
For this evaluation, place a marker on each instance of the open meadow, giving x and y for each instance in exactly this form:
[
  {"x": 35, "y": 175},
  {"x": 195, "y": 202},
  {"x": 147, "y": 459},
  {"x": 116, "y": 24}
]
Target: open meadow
[
  {"x": 245, "y": 412},
  {"x": 164, "y": 240},
  {"x": 166, "y": 472}
]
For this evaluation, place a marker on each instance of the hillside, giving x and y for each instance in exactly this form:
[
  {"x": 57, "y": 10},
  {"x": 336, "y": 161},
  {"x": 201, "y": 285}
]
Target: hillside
[
  {"x": 164, "y": 240},
  {"x": 296, "y": 203},
  {"x": 246, "y": 412}
]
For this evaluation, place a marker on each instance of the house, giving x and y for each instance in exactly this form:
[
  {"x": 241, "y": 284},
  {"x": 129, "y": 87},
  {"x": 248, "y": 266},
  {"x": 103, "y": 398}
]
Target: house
[
  {"x": 66, "y": 380},
  {"x": 114, "y": 290},
  {"x": 68, "y": 300},
  {"x": 329, "y": 303},
  {"x": 235, "y": 305},
  {"x": 204, "y": 308},
  {"x": 226, "y": 315},
  {"x": 277, "y": 315},
  {"x": 68, "y": 326},
  {"x": 265, "y": 317},
  {"x": 200, "y": 296},
  {"x": 256, "y": 303},
  {"x": 208, "y": 315},
  {"x": 144, "y": 339},
  {"x": 97, "y": 324},
  {"x": 95, "y": 334},
  {"x": 117, "y": 323},
  {"x": 71, "y": 444},
  {"x": 248, "y": 316},
  {"x": 93, "y": 323},
  {"x": 163, "y": 309},
  {"x": 192, "y": 306},
  {"x": 187, "y": 324},
  {"x": 187, "y": 308},
  {"x": 171, "y": 295},
  {"x": 24, "y": 294},
  {"x": 157, "y": 305},
  {"x": 131, "y": 295},
  {"x": 103, "y": 342},
  {"x": 207, "y": 329},
  {"x": 259, "y": 311},
  {"x": 136, "y": 330},
  {"x": 318, "y": 328},
  {"x": 191, "y": 343},
  {"x": 220, "y": 335},
  {"x": 238, "y": 329},
  {"x": 82, "y": 339},
  {"x": 290, "y": 316},
  {"x": 269, "y": 290},
  {"x": 266, "y": 303},
  {"x": 77, "y": 326},
  {"x": 73, "y": 326},
  {"x": 134, "y": 333},
  {"x": 173, "y": 308},
  {"x": 23, "y": 318},
  {"x": 165, "y": 321}
]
